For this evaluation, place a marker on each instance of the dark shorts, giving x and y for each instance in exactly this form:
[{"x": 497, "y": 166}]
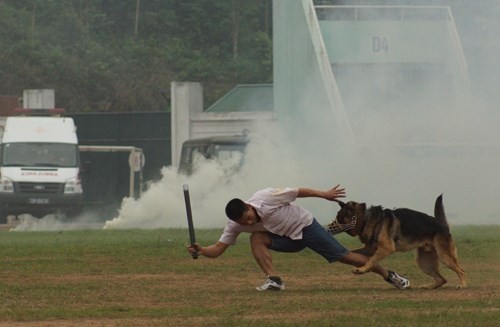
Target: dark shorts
[{"x": 314, "y": 237}]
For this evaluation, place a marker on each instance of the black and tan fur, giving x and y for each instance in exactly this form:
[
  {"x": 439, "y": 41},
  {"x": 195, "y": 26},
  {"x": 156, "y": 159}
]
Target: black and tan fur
[{"x": 385, "y": 231}]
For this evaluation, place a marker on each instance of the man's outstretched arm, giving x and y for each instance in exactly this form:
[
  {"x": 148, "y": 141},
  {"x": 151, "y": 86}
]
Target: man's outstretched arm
[
  {"x": 211, "y": 251},
  {"x": 332, "y": 194}
]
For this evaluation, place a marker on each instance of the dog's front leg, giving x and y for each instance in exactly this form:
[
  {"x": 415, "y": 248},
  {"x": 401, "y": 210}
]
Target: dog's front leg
[
  {"x": 365, "y": 250},
  {"x": 385, "y": 247}
]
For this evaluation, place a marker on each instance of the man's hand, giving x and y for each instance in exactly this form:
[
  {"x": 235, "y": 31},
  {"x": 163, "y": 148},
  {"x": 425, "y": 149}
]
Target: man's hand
[
  {"x": 335, "y": 193},
  {"x": 210, "y": 251},
  {"x": 195, "y": 247}
]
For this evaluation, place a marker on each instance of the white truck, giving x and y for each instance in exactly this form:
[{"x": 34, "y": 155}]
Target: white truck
[{"x": 39, "y": 167}]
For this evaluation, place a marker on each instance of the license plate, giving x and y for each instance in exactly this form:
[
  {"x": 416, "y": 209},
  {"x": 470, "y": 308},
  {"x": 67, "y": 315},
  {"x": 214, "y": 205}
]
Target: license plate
[{"x": 38, "y": 201}]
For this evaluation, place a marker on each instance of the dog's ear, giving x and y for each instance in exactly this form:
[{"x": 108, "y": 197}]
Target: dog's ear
[{"x": 341, "y": 204}]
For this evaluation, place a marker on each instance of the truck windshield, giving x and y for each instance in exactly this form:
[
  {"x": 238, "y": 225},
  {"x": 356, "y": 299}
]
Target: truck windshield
[
  {"x": 39, "y": 154},
  {"x": 227, "y": 151},
  {"x": 209, "y": 151}
]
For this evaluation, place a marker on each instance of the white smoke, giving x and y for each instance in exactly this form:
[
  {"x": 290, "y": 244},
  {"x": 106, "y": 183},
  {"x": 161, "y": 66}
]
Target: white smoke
[
  {"x": 426, "y": 113},
  {"x": 54, "y": 222},
  {"x": 266, "y": 164}
]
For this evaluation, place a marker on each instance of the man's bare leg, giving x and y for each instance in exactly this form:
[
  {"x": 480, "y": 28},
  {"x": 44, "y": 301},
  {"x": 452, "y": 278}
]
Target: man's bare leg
[{"x": 260, "y": 243}]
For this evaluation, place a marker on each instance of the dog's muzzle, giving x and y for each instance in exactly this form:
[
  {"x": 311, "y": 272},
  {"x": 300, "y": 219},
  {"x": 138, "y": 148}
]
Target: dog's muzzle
[{"x": 335, "y": 227}]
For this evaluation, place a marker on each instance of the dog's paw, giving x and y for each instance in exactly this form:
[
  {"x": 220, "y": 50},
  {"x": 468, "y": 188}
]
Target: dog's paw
[{"x": 358, "y": 271}]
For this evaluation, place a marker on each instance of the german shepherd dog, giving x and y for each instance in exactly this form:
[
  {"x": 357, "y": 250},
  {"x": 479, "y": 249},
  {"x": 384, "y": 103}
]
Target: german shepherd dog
[{"x": 385, "y": 231}]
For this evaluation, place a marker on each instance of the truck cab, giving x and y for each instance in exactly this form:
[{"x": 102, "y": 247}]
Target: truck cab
[{"x": 211, "y": 148}]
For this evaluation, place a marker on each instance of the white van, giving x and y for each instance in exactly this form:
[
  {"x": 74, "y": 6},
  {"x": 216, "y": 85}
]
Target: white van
[{"x": 39, "y": 167}]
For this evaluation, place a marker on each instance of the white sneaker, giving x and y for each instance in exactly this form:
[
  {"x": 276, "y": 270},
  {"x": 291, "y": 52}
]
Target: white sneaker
[
  {"x": 398, "y": 281},
  {"x": 271, "y": 285}
]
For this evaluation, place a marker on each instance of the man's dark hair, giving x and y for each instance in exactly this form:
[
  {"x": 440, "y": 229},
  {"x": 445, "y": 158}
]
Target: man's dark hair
[{"x": 235, "y": 209}]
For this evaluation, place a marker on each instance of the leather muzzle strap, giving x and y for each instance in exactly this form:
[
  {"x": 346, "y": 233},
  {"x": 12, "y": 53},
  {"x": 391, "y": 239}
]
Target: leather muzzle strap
[{"x": 335, "y": 227}]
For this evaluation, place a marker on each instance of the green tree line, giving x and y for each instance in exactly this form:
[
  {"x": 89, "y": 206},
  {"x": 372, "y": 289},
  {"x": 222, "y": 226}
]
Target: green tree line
[{"x": 122, "y": 55}]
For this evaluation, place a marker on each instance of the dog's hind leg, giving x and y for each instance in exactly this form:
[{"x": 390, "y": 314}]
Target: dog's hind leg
[
  {"x": 429, "y": 263},
  {"x": 447, "y": 253}
]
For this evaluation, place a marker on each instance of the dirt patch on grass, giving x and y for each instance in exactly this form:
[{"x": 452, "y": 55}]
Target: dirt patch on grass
[{"x": 202, "y": 300}]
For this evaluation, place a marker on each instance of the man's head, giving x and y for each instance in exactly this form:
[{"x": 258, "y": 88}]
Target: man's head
[{"x": 242, "y": 213}]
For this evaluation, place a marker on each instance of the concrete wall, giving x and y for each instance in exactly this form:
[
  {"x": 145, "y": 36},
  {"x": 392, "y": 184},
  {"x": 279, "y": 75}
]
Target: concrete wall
[
  {"x": 187, "y": 99},
  {"x": 190, "y": 122},
  {"x": 306, "y": 95}
]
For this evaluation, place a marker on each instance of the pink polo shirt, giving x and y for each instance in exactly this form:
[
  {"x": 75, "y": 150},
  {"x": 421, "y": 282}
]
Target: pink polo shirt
[{"x": 277, "y": 212}]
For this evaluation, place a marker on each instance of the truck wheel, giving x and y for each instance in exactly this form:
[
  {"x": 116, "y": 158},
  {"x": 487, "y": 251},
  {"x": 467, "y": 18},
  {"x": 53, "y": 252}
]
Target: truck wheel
[{"x": 71, "y": 214}]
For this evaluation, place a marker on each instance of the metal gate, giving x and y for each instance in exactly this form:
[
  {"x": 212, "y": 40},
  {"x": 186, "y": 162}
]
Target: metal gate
[{"x": 106, "y": 179}]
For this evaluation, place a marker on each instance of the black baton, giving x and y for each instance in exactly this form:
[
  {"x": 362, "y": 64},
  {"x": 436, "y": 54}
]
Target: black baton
[{"x": 190, "y": 219}]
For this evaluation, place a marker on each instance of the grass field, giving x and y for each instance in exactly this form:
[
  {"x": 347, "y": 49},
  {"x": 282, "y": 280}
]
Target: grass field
[{"x": 147, "y": 278}]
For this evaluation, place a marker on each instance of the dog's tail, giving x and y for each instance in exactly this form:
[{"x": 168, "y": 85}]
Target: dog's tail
[{"x": 439, "y": 212}]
